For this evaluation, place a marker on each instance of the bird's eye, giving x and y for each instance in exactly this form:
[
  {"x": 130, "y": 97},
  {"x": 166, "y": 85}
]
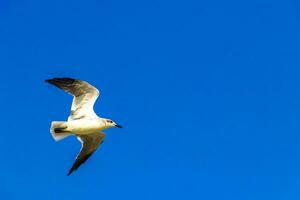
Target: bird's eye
[{"x": 109, "y": 121}]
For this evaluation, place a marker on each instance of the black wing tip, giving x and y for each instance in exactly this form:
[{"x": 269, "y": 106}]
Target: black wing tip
[
  {"x": 48, "y": 80},
  {"x": 73, "y": 168},
  {"x": 70, "y": 172},
  {"x": 63, "y": 79},
  {"x": 77, "y": 163}
]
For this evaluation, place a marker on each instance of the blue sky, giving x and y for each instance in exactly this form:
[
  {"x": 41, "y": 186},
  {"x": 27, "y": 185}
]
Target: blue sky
[{"x": 207, "y": 92}]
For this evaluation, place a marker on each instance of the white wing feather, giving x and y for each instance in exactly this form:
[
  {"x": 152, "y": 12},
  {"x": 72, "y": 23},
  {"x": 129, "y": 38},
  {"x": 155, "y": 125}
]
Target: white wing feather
[{"x": 84, "y": 96}]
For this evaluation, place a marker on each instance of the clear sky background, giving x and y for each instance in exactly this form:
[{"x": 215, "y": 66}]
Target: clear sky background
[{"x": 208, "y": 93}]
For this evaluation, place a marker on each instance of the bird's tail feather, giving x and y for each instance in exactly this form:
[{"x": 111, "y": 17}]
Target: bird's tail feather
[{"x": 59, "y": 130}]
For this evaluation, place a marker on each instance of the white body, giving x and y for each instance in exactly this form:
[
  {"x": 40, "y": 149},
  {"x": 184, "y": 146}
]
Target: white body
[{"x": 86, "y": 126}]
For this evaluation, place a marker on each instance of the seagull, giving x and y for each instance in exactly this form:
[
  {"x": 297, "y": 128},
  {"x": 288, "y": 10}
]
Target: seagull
[{"x": 83, "y": 122}]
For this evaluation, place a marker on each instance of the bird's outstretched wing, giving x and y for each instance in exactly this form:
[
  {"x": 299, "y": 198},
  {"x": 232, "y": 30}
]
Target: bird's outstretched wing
[
  {"x": 84, "y": 95},
  {"x": 89, "y": 143}
]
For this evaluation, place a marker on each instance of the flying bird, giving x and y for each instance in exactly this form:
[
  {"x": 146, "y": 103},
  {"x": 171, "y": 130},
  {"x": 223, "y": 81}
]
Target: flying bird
[{"x": 82, "y": 122}]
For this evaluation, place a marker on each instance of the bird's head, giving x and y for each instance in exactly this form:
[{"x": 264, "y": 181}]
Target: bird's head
[{"x": 110, "y": 123}]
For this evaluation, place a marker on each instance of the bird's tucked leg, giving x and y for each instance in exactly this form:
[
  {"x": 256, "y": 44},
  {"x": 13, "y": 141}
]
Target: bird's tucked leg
[{"x": 59, "y": 130}]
